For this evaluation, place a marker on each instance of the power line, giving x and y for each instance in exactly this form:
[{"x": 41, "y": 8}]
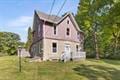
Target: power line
[
  {"x": 51, "y": 8},
  {"x": 50, "y": 11},
  {"x": 60, "y": 9}
]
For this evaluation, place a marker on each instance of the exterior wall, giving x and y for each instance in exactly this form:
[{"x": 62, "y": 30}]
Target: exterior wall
[
  {"x": 37, "y": 29},
  {"x": 48, "y": 54},
  {"x": 61, "y": 31},
  {"x": 37, "y": 37},
  {"x": 44, "y": 38},
  {"x": 37, "y": 49}
]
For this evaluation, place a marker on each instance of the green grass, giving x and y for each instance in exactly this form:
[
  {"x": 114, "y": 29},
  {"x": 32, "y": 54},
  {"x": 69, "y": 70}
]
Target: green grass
[{"x": 83, "y": 70}]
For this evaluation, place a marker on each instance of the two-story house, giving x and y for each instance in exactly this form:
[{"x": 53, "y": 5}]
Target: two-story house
[{"x": 53, "y": 36}]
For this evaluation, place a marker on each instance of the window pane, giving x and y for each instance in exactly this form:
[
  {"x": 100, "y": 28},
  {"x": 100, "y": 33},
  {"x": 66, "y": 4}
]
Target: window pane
[
  {"x": 68, "y": 31},
  {"x": 54, "y": 47},
  {"x": 77, "y": 48},
  {"x": 78, "y": 35},
  {"x": 54, "y": 50},
  {"x": 54, "y": 44},
  {"x": 54, "y": 29},
  {"x": 67, "y": 21}
]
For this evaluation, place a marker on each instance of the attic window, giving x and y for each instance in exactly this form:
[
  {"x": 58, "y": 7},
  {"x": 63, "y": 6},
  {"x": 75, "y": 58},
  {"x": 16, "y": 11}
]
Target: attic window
[
  {"x": 67, "y": 21},
  {"x": 68, "y": 32}
]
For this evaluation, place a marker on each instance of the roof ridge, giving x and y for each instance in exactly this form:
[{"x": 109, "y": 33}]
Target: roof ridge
[{"x": 46, "y": 13}]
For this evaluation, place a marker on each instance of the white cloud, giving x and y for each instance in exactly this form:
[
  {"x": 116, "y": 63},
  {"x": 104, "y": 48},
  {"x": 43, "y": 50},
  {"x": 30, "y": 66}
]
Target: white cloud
[
  {"x": 22, "y": 21},
  {"x": 20, "y": 25}
]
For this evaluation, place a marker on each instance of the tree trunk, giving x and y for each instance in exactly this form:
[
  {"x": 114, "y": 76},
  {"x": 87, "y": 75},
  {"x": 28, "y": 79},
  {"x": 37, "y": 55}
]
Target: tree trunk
[
  {"x": 115, "y": 48},
  {"x": 95, "y": 40},
  {"x": 96, "y": 46},
  {"x": 116, "y": 42}
]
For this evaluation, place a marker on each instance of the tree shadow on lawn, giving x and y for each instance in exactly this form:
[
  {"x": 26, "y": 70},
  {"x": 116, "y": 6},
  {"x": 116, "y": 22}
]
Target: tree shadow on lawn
[
  {"x": 108, "y": 61},
  {"x": 95, "y": 72},
  {"x": 113, "y": 62}
]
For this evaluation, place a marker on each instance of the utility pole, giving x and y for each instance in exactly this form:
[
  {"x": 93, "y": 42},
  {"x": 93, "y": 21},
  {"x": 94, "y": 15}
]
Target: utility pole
[{"x": 19, "y": 51}]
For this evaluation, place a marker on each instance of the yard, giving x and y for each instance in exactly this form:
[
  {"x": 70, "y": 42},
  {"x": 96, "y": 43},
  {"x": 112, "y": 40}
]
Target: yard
[{"x": 83, "y": 70}]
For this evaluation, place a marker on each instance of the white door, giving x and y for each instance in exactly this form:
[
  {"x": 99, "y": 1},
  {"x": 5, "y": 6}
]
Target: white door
[{"x": 67, "y": 50}]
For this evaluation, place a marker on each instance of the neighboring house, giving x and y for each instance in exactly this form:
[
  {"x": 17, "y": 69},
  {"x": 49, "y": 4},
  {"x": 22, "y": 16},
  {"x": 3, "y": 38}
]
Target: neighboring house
[{"x": 53, "y": 36}]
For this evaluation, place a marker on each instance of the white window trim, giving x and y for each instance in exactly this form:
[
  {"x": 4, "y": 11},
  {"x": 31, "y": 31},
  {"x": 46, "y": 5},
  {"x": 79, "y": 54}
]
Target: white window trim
[{"x": 54, "y": 41}]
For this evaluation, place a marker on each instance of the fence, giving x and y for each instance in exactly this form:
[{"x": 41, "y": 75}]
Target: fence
[{"x": 74, "y": 56}]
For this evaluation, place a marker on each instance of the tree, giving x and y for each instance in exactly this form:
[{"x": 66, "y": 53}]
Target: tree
[
  {"x": 29, "y": 39},
  {"x": 113, "y": 25},
  {"x": 90, "y": 17},
  {"x": 9, "y": 43}
]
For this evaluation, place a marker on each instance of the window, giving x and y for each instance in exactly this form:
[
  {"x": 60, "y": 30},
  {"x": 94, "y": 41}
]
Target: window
[
  {"x": 55, "y": 30},
  {"x": 40, "y": 47},
  {"x": 54, "y": 47},
  {"x": 68, "y": 32},
  {"x": 77, "y": 48},
  {"x": 67, "y": 21},
  {"x": 78, "y": 35},
  {"x": 33, "y": 33},
  {"x": 39, "y": 30}
]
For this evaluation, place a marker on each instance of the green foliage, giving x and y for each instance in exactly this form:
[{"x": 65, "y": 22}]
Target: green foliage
[
  {"x": 29, "y": 39},
  {"x": 103, "y": 18},
  {"x": 9, "y": 43}
]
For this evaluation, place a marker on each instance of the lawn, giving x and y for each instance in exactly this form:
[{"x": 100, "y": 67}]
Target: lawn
[{"x": 83, "y": 70}]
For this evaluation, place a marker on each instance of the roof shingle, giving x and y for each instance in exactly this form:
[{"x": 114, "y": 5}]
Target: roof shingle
[{"x": 46, "y": 17}]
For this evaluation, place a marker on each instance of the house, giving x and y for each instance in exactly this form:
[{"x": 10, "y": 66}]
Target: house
[{"x": 54, "y": 36}]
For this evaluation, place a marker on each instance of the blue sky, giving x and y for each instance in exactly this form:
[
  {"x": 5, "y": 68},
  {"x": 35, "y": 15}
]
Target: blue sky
[{"x": 17, "y": 15}]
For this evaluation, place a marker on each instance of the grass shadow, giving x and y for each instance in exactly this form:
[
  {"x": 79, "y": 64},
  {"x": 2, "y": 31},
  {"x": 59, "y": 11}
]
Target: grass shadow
[
  {"x": 113, "y": 62},
  {"x": 95, "y": 72}
]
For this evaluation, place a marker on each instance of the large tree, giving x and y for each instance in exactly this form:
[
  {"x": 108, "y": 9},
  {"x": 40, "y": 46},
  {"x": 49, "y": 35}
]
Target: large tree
[
  {"x": 90, "y": 17},
  {"x": 9, "y": 43},
  {"x": 113, "y": 27}
]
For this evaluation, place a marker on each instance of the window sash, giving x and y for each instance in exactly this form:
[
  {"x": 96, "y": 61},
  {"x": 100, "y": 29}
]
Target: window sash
[
  {"x": 68, "y": 32},
  {"x": 54, "y": 29},
  {"x": 77, "y": 48},
  {"x": 54, "y": 47}
]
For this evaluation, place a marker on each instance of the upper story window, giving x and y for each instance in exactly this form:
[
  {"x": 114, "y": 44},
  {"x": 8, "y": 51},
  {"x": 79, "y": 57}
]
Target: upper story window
[
  {"x": 78, "y": 35},
  {"x": 54, "y": 47},
  {"x": 55, "y": 30},
  {"x": 77, "y": 48},
  {"x": 68, "y": 32},
  {"x": 39, "y": 30},
  {"x": 67, "y": 21}
]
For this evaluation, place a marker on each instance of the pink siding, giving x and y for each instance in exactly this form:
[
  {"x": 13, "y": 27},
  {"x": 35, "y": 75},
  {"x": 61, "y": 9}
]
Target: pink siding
[{"x": 61, "y": 31}]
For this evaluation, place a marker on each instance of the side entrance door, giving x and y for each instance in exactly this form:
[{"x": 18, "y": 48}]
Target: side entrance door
[{"x": 67, "y": 50}]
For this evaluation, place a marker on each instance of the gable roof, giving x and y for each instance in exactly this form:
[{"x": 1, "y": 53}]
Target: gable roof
[
  {"x": 56, "y": 20},
  {"x": 46, "y": 17}
]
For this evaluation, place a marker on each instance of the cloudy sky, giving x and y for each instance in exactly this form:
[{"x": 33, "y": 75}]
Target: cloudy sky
[{"x": 17, "y": 15}]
